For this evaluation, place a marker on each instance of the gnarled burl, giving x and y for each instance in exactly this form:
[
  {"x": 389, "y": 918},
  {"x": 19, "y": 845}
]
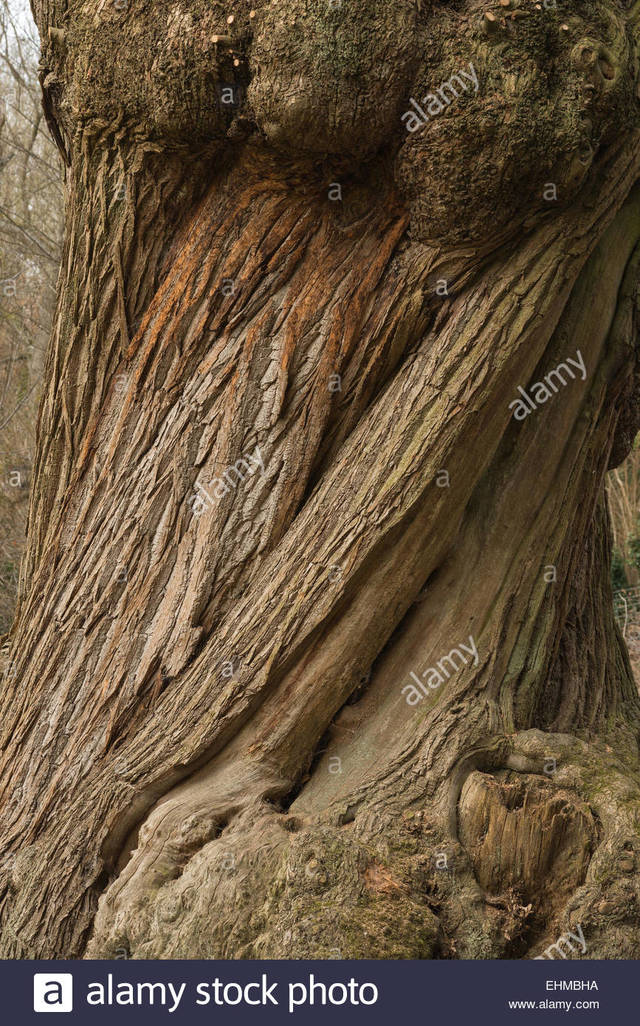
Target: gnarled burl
[{"x": 206, "y": 746}]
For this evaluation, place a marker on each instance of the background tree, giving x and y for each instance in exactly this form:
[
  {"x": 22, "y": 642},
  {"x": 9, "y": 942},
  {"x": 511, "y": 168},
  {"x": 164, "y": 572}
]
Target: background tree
[
  {"x": 30, "y": 237},
  {"x": 623, "y": 491},
  {"x": 292, "y": 305}
]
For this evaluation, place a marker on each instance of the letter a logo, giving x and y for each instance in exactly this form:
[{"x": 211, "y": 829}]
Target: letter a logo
[{"x": 52, "y": 992}]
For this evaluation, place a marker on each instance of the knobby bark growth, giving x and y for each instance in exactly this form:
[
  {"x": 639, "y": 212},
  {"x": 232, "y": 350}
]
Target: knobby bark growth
[{"x": 206, "y": 746}]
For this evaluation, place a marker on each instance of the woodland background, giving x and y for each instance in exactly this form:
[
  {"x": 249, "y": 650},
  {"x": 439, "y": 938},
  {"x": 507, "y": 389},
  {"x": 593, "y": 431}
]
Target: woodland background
[{"x": 31, "y": 222}]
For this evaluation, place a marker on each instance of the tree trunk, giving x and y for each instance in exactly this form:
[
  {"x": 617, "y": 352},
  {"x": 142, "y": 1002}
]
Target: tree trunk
[{"x": 365, "y": 695}]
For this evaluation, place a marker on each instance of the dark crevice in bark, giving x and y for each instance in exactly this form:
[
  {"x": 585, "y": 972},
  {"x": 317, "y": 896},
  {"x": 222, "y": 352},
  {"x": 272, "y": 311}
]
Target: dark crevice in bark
[{"x": 287, "y": 800}]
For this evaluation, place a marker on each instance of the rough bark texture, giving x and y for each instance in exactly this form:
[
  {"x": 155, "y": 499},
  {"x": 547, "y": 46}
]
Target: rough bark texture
[{"x": 206, "y": 748}]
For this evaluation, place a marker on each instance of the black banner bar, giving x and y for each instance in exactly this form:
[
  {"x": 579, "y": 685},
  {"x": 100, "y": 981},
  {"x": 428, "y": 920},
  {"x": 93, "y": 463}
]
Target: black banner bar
[{"x": 366, "y": 992}]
